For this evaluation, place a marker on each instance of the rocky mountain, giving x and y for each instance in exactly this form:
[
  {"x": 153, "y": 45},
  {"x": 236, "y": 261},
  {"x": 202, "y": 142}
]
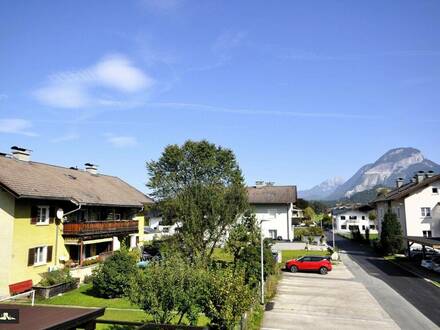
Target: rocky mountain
[
  {"x": 322, "y": 190},
  {"x": 396, "y": 163}
]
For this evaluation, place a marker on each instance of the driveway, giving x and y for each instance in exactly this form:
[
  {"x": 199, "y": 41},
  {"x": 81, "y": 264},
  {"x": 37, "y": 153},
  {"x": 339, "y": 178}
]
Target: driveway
[{"x": 333, "y": 301}]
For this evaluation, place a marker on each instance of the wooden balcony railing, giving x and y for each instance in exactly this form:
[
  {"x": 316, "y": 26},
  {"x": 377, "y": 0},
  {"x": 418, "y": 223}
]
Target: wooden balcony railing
[{"x": 100, "y": 227}]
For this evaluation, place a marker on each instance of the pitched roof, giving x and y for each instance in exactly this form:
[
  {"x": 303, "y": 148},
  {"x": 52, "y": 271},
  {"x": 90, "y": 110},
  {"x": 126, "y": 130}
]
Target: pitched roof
[
  {"x": 272, "y": 194},
  {"x": 347, "y": 208},
  {"x": 407, "y": 189},
  {"x": 37, "y": 180}
]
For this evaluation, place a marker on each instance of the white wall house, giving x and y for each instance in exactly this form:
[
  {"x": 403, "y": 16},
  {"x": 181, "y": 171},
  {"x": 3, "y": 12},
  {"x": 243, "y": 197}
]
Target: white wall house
[
  {"x": 416, "y": 205},
  {"x": 347, "y": 218},
  {"x": 273, "y": 207}
]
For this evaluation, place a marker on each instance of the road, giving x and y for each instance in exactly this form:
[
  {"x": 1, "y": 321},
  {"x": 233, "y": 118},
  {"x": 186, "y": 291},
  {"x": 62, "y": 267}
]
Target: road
[{"x": 411, "y": 302}]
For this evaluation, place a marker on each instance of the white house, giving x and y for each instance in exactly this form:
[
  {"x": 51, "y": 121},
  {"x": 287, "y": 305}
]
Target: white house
[
  {"x": 274, "y": 207},
  {"x": 350, "y": 217},
  {"x": 416, "y": 205}
]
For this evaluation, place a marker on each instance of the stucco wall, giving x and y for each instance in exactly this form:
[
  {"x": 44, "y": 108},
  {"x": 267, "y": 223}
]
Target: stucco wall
[
  {"x": 278, "y": 222},
  {"x": 7, "y": 207},
  {"x": 359, "y": 222}
]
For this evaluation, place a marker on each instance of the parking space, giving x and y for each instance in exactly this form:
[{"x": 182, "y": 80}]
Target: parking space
[{"x": 333, "y": 301}]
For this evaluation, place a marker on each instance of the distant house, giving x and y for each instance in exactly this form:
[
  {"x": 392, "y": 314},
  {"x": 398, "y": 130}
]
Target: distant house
[
  {"x": 416, "y": 205},
  {"x": 100, "y": 213},
  {"x": 274, "y": 206},
  {"x": 353, "y": 217}
]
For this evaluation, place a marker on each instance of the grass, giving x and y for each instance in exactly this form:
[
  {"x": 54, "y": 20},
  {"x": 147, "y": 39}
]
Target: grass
[
  {"x": 295, "y": 254},
  {"x": 222, "y": 255},
  {"x": 373, "y": 236}
]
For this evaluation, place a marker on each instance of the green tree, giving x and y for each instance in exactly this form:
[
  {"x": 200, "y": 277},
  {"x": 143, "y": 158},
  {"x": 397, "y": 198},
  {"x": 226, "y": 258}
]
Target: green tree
[
  {"x": 327, "y": 221},
  {"x": 110, "y": 278},
  {"x": 201, "y": 186},
  {"x": 391, "y": 239},
  {"x": 309, "y": 213}
]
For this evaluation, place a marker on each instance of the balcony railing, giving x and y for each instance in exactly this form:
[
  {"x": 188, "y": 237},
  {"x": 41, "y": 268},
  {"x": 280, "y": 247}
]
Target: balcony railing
[{"x": 100, "y": 227}]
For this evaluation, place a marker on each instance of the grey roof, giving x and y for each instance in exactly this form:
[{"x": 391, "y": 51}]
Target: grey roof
[
  {"x": 347, "y": 208},
  {"x": 272, "y": 195},
  {"x": 407, "y": 189},
  {"x": 43, "y": 181}
]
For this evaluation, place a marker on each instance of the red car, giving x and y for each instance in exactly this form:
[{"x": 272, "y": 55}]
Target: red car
[{"x": 310, "y": 263}]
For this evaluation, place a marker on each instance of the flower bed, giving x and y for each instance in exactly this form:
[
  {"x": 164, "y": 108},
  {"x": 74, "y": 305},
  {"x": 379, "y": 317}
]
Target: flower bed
[{"x": 55, "y": 289}]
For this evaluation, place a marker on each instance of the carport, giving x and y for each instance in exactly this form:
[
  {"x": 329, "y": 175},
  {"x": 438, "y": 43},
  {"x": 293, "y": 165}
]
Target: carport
[{"x": 433, "y": 242}]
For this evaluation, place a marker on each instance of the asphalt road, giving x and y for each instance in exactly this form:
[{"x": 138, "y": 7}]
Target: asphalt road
[{"x": 408, "y": 299}]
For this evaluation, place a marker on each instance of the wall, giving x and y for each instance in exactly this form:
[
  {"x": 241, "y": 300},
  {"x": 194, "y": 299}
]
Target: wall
[
  {"x": 359, "y": 222},
  {"x": 7, "y": 207},
  {"x": 415, "y": 223},
  {"x": 279, "y": 222},
  {"x": 26, "y": 236},
  {"x": 141, "y": 223}
]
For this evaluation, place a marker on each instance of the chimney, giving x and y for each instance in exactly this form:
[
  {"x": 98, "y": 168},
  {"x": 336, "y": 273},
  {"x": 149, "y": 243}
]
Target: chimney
[
  {"x": 429, "y": 174},
  {"x": 91, "y": 168},
  {"x": 399, "y": 182},
  {"x": 420, "y": 175},
  {"x": 414, "y": 179},
  {"x": 259, "y": 184},
  {"x": 21, "y": 153},
  {"x": 270, "y": 183}
]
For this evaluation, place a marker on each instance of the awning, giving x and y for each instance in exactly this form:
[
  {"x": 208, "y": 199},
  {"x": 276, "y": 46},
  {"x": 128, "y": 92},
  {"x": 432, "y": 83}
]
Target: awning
[{"x": 433, "y": 242}]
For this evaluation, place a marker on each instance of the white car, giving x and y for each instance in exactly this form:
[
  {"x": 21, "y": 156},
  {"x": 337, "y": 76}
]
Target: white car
[
  {"x": 436, "y": 264},
  {"x": 426, "y": 263}
]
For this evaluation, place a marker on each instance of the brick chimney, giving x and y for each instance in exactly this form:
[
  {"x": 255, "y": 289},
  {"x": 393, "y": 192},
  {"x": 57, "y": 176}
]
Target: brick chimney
[
  {"x": 91, "y": 168},
  {"x": 21, "y": 153}
]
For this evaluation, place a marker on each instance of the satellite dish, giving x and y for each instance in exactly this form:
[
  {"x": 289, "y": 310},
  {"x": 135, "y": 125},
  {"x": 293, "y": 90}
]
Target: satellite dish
[{"x": 60, "y": 214}]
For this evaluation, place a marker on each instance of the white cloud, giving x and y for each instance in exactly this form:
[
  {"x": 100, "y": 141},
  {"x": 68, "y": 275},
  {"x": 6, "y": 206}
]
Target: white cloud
[
  {"x": 91, "y": 86},
  {"x": 122, "y": 141},
  {"x": 16, "y": 126}
]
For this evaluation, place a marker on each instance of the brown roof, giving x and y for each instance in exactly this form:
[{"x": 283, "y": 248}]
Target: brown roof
[
  {"x": 45, "y": 317},
  {"x": 272, "y": 194},
  {"x": 407, "y": 189},
  {"x": 37, "y": 180}
]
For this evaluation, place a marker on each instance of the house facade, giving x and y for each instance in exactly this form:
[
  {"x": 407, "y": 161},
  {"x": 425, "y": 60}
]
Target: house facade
[
  {"x": 416, "y": 205},
  {"x": 274, "y": 208},
  {"x": 352, "y": 217},
  {"x": 51, "y": 216}
]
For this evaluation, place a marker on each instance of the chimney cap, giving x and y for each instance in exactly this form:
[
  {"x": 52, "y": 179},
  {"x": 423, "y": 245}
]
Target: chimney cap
[{"x": 90, "y": 165}]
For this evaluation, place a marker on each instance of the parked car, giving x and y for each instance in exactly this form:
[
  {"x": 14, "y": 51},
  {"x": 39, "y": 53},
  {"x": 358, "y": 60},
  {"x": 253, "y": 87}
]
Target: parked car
[
  {"x": 436, "y": 264},
  {"x": 310, "y": 263},
  {"x": 426, "y": 263}
]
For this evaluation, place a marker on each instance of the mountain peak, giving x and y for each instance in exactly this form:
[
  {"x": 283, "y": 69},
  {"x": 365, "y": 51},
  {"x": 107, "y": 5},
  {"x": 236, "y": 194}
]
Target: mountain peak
[{"x": 397, "y": 154}]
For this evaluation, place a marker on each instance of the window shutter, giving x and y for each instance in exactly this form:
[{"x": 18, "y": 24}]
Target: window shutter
[
  {"x": 34, "y": 214},
  {"x": 49, "y": 254},
  {"x": 52, "y": 214},
  {"x": 31, "y": 257}
]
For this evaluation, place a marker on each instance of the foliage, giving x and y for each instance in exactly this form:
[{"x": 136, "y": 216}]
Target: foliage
[
  {"x": 244, "y": 244},
  {"x": 199, "y": 185},
  {"x": 367, "y": 234},
  {"x": 170, "y": 287},
  {"x": 391, "y": 239},
  {"x": 372, "y": 215},
  {"x": 307, "y": 231},
  {"x": 295, "y": 254},
  {"x": 89, "y": 262},
  {"x": 356, "y": 234},
  {"x": 56, "y": 277},
  {"x": 309, "y": 213},
  {"x": 327, "y": 221},
  {"x": 228, "y": 298},
  {"x": 110, "y": 277}
]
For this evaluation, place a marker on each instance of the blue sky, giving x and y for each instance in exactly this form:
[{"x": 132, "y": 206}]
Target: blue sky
[{"x": 300, "y": 90}]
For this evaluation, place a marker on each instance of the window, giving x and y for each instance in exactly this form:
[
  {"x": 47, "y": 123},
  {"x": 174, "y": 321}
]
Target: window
[
  {"x": 363, "y": 217},
  {"x": 343, "y": 226},
  {"x": 342, "y": 217},
  {"x": 363, "y": 227},
  {"x": 40, "y": 255},
  {"x": 372, "y": 227},
  {"x": 434, "y": 190},
  {"x": 398, "y": 212},
  {"x": 353, "y": 217},
  {"x": 306, "y": 259},
  {"x": 427, "y": 233},
  {"x": 426, "y": 211},
  {"x": 273, "y": 233},
  {"x": 43, "y": 215}
]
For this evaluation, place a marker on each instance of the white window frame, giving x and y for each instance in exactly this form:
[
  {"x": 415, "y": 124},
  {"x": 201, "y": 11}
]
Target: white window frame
[
  {"x": 426, "y": 212},
  {"x": 40, "y": 255},
  {"x": 40, "y": 209}
]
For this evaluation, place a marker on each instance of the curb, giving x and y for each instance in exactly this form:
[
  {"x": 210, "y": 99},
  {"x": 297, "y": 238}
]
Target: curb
[{"x": 414, "y": 273}]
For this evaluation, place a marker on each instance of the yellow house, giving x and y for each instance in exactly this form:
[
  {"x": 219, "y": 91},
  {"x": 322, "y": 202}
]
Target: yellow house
[{"x": 51, "y": 216}]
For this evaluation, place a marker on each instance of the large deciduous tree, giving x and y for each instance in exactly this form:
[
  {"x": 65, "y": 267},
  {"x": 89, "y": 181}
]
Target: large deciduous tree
[{"x": 200, "y": 186}]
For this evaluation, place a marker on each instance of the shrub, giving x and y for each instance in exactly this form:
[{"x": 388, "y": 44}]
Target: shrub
[
  {"x": 56, "y": 277},
  {"x": 110, "y": 279},
  {"x": 307, "y": 231},
  {"x": 356, "y": 234},
  {"x": 391, "y": 239}
]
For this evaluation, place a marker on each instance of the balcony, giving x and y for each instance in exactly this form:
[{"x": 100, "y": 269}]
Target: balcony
[{"x": 100, "y": 228}]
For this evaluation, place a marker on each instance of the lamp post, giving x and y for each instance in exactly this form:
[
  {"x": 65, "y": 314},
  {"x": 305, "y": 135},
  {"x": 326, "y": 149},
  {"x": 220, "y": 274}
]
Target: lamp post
[
  {"x": 262, "y": 260},
  {"x": 333, "y": 232}
]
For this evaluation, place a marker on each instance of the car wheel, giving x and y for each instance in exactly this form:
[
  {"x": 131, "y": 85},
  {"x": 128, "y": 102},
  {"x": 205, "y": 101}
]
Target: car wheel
[
  {"x": 293, "y": 269},
  {"x": 323, "y": 271}
]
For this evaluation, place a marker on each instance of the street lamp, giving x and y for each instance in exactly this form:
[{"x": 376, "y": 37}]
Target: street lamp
[{"x": 262, "y": 260}]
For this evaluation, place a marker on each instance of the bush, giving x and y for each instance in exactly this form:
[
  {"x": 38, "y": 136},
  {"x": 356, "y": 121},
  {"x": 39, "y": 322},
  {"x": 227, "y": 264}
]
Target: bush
[
  {"x": 356, "y": 235},
  {"x": 307, "y": 231},
  {"x": 110, "y": 279},
  {"x": 56, "y": 277},
  {"x": 391, "y": 239}
]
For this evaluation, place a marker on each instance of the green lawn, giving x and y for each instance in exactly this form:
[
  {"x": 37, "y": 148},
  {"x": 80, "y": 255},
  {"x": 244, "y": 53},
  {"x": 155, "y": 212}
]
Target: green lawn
[{"x": 295, "y": 254}]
